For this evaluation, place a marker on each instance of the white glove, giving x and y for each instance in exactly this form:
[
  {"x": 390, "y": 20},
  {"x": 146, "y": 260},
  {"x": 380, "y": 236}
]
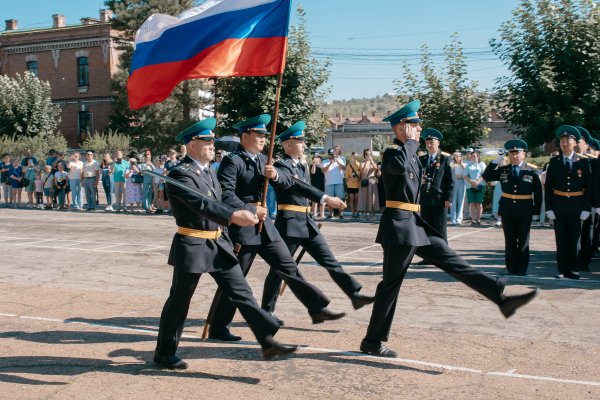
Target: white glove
[
  {"x": 497, "y": 160},
  {"x": 585, "y": 215},
  {"x": 551, "y": 214}
]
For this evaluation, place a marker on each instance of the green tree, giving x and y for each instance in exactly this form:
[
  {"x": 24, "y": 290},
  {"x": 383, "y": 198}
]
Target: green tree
[
  {"x": 107, "y": 142},
  {"x": 26, "y": 107},
  {"x": 450, "y": 102},
  {"x": 153, "y": 127},
  {"x": 302, "y": 92},
  {"x": 552, "y": 49},
  {"x": 39, "y": 145}
]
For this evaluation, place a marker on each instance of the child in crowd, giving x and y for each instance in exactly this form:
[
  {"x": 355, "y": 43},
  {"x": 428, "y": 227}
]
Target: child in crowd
[
  {"x": 47, "y": 183},
  {"x": 61, "y": 180},
  {"x": 159, "y": 186},
  {"x": 15, "y": 174},
  {"x": 39, "y": 190}
]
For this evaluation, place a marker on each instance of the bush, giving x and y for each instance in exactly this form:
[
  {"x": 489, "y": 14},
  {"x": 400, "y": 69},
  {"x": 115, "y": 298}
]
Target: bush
[
  {"x": 39, "y": 145},
  {"x": 105, "y": 143}
]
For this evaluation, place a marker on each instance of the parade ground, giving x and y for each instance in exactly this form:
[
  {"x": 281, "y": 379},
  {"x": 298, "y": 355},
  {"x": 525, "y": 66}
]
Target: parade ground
[{"x": 81, "y": 296}]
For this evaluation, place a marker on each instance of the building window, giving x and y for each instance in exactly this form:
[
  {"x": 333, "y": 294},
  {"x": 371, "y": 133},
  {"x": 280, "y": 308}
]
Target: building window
[
  {"x": 32, "y": 67},
  {"x": 82, "y": 71},
  {"x": 84, "y": 125}
]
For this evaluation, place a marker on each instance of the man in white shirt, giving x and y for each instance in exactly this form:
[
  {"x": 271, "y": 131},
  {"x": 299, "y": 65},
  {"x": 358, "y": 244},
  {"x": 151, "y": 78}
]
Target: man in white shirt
[
  {"x": 90, "y": 173},
  {"x": 74, "y": 166},
  {"x": 215, "y": 166},
  {"x": 334, "y": 168}
]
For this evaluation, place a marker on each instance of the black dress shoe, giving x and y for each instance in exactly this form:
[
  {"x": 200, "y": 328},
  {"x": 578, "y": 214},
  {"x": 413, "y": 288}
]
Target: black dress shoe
[
  {"x": 574, "y": 275},
  {"x": 585, "y": 268},
  {"x": 279, "y": 321},
  {"x": 377, "y": 349},
  {"x": 560, "y": 276},
  {"x": 360, "y": 301},
  {"x": 512, "y": 303},
  {"x": 277, "y": 349},
  {"x": 522, "y": 274},
  {"x": 171, "y": 362},
  {"x": 225, "y": 336},
  {"x": 326, "y": 315}
]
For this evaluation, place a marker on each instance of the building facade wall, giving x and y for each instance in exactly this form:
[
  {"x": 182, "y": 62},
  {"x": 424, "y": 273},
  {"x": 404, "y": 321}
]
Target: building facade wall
[{"x": 56, "y": 51}]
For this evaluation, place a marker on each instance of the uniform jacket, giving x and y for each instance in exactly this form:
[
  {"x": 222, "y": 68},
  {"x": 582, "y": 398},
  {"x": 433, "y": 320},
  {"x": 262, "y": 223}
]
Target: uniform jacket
[
  {"x": 293, "y": 223},
  {"x": 595, "y": 166},
  {"x": 576, "y": 180},
  {"x": 401, "y": 173},
  {"x": 443, "y": 185},
  {"x": 242, "y": 180},
  {"x": 190, "y": 254},
  {"x": 527, "y": 183}
]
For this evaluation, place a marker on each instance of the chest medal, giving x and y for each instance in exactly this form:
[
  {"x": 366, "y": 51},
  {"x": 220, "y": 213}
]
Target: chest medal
[
  {"x": 410, "y": 176},
  {"x": 579, "y": 172}
]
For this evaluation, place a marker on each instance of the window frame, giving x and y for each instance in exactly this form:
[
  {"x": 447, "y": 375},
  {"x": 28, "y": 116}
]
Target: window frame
[
  {"x": 80, "y": 81},
  {"x": 85, "y": 132},
  {"x": 30, "y": 69}
]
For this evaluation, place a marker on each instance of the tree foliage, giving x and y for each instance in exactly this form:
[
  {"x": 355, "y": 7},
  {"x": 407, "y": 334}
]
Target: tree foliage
[
  {"x": 450, "y": 102},
  {"x": 302, "y": 92},
  {"x": 108, "y": 142},
  {"x": 153, "y": 127},
  {"x": 26, "y": 107},
  {"x": 552, "y": 49}
]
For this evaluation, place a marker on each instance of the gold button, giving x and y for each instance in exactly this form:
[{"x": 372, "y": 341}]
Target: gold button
[
  {"x": 568, "y": 183},
  {"x": 514, "y": 201},
  {"x": 568, "y": 177},
  {"x": 515, "y": 185},
  {"x": 568, "y": 190},
  {"x": 515, "y": 191}
]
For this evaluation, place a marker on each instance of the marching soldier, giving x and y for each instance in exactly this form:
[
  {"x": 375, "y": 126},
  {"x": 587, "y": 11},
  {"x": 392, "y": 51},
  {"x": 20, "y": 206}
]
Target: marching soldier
[
  {"x": 594, "y": 146},
  {"x": 200, "y": 246},
  {"x": 438, "y": 183},
  {"x": 568, "y": 190},
  {"x": 521, "y": 200},
  {"x": 241, "y": 175},
  {"x": 297, "y": 228},
  {"x": 403, "y": 233}
]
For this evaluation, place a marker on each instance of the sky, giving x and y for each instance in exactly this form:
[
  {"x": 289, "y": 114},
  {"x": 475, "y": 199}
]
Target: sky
[{"x": 366, "y": 39}]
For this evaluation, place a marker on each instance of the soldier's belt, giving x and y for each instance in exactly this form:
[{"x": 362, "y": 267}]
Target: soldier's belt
[
  {"x": 199, "y": 234},
  {"x": 403, "y": 206},
  {"x": 255, "y": 204},
  {"x": 290, "y": 207},
  {"x": 568, "y": 194},
  {"x": 517, "y": 196}
]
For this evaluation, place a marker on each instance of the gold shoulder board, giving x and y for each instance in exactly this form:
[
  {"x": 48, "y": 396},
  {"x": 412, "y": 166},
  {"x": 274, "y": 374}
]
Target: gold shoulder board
[
  {"x": 532, "y": 165},
  {"x": 582, "y": 155},
  {"x": 394, "y": 147},
  {"x": 446, "y": 154}
]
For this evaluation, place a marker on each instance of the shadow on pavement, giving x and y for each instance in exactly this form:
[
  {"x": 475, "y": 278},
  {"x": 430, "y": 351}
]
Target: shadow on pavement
[{"x": 72, "y": 366}]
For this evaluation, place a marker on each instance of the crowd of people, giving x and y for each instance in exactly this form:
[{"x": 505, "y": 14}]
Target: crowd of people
[{"x": 64, "y": 182}]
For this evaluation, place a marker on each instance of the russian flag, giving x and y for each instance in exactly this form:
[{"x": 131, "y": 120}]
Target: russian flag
[{"x": 218, "y": 38}]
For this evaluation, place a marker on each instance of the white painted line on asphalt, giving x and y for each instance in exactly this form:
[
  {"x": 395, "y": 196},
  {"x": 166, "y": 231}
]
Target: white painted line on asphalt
[
  {"x": 92, "y": 250},
  {"x": 68, "y": 240},
  {"x": 361, "y": 249},
  {"x": 114, "y": 245},
  {"x": 468, "y": 233},
  {"x": 508, "y": 374}
]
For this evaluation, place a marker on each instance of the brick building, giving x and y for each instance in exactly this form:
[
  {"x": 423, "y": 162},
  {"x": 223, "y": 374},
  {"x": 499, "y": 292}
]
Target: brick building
[{"x": 77, "y": 60}]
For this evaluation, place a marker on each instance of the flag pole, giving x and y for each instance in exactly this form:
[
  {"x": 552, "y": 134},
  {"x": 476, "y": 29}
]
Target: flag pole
[{"x": 271, "y": 143}]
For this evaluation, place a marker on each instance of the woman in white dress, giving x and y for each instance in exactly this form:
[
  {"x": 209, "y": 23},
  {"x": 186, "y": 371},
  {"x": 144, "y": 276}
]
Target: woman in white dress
[{"x": 456, "y": 209}]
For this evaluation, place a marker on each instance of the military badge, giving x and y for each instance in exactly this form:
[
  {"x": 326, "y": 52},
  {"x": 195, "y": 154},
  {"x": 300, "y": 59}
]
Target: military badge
[
  {"x": 527, "y": 178},
  {"x": 410, "y": 176},
  {"x": 579, "y": 172},
  {"x": 437, "y": 165}
]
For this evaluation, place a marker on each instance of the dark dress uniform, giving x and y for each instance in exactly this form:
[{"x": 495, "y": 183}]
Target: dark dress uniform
[
  {"x": 568, "y": 193},
  {"x": 297, "y": 229},
  {"x": 242, "y": 179},
  {"x": 191, "y": 256},
  {"x": 589, "y": 227},
  {"x": 439, "y": 187},
  {"x": 521, "y": 200},
  {"x": 403, "y": 233}
]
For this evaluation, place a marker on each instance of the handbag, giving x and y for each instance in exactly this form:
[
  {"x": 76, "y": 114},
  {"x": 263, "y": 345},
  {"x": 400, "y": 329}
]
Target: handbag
[
  {"x": 137, "y": 179},
  {"x": 477, "y": 189},
  {"x": 364, "y": 182}
]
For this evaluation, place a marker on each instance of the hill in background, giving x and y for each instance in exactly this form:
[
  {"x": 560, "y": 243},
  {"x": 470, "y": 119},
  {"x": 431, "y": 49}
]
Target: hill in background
[{"x": 355, "y": 107}]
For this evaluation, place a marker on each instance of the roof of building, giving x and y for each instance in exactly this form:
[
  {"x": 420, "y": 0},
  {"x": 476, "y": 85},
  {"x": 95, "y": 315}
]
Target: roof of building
[{"x": 46, "y": 28}]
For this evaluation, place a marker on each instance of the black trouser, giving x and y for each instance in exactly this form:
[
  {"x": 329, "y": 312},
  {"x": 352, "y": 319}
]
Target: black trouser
[
  {"x": 596, "y": 233},
  {"x": 437, "y": 218},
  {"x": 396, "y": 260},
  {"x": 587, "y": 233},
  {"x": 516, "y": 244},
  {"x": 276, "y": 254},
  {"x": 234, "y": 287},
  {"x": 567, "y": 231},
  {"x": 318, "y": 249}
]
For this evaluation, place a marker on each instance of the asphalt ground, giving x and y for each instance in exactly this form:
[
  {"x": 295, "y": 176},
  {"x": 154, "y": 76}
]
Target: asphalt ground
[{"x": 81, "y": 295}]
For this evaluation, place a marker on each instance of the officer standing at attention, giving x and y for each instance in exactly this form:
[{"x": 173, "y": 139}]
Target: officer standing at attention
[
  {"x": 438, "y": 183},
  {"x": 521, "y": 200},
  {"x": 241, "y": 175},
  {"x": 200, "y": 246},
  {"x": 587, "y": 227},
  {"x": 297, "y": 229},
  {"x": 568, "y": 190},
  {"x": 593, "y": 148},
  {"x": 402, "y": 234}
]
